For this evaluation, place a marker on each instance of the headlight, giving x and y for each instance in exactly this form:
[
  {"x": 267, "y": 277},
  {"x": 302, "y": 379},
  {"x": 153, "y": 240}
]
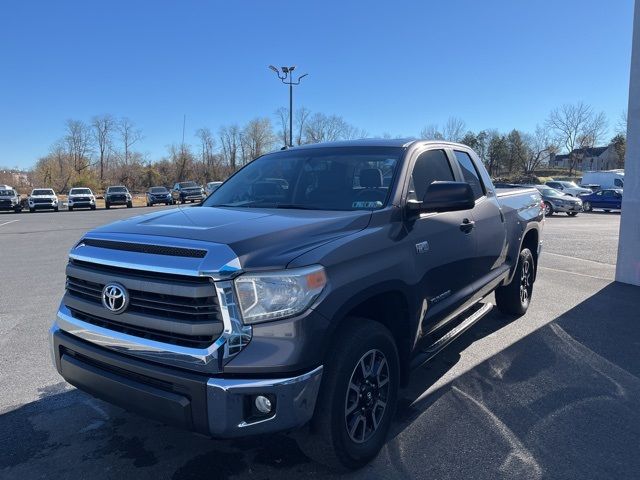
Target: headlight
[{"x": 275, "y": 295}]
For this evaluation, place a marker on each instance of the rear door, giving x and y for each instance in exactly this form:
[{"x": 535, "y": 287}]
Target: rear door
[{"x": 488, "y": 221}]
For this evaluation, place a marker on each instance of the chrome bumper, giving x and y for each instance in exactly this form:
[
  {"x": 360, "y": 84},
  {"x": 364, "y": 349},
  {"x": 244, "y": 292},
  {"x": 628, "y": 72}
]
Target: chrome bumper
[
  {"x": 294, "y": 405},
  {"x": 219, "y": 407}
]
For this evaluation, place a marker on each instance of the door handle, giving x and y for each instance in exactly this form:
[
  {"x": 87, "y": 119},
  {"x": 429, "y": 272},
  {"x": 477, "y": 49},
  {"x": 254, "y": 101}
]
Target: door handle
[{"x": 467, "y": 225}]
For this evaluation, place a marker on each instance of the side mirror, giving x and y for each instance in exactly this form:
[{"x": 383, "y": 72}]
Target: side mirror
[{"x": 445, "y": 197}]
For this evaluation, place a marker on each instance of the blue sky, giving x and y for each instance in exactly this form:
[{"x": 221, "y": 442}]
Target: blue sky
[{"x": 384, "y": 66}]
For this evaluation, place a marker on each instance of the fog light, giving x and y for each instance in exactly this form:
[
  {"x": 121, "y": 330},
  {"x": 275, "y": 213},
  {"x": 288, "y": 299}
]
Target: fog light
[{"x": 263, "y": 404}]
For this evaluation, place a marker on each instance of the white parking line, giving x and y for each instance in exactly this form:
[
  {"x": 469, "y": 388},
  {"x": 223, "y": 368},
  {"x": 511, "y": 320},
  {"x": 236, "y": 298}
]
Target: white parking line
[{"x": 7, "y": 223}]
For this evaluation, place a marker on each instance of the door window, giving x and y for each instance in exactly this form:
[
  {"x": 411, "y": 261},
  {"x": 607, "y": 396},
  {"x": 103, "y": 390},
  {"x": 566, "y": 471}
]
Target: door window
[
  {"x": 431, "y": 166},
  {"x": 470, "y": 173}
]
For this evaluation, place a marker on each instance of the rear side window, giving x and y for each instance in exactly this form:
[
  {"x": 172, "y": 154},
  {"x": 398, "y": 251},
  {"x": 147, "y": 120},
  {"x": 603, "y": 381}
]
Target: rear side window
[
  {"x": 470, "y": 173},
  {"x": 431, "y": 166}
]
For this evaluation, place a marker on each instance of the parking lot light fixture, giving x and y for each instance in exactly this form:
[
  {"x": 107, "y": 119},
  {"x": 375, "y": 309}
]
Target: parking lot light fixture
[{"x": 287, "y": 78}]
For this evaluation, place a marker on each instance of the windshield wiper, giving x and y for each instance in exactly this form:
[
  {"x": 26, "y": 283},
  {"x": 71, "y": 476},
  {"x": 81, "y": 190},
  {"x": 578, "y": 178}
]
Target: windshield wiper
[{"x": 296, "y": 206}]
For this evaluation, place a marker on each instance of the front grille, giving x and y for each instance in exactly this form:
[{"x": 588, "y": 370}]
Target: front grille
[
  {"x": 146, "y": 248},
  {"x": 191, "y": 341},
  {"x": 42, "y": 200},
  {"x": 5, "y": 203},
  {"x": 116, "y": 198},
  {"x": 139, "y": 274},
  {"x": 81, "y": 199},
  {"x": 191, "y": 309}
]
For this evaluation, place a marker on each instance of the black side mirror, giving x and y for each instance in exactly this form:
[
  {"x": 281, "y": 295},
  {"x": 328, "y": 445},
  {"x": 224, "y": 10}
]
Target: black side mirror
[{"x": 445, "y": 197}]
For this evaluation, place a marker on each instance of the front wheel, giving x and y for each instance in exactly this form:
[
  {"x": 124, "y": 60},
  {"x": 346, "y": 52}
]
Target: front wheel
[
  {"x": 357, "y": 397},
  {"x": 514, "y": 299},
  {"x": 572, "y": 214},
  {"x": 55, "y": 209},
  {"x": 70, "y": 209},
  {"x": 548, "y": 209},
  {"x": 129, "y": 205}
]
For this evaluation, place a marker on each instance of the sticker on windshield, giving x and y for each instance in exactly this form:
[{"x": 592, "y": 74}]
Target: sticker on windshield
[{"x": 376, "y": 204}]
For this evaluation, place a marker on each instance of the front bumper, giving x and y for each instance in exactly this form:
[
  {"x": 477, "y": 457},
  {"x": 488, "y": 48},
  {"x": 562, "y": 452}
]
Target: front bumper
[
  {"x": 574, "y": 207},
  {"x": 81, "y": 204},
  {"x": 43, "y": 206},
  {"x": 155, "y": 200},
  {"x": 215, "y": 406}
]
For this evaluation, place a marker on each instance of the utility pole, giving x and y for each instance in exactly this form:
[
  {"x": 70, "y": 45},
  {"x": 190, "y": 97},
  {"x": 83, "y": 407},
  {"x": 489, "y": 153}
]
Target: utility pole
[{"x": 287, "y": 78}]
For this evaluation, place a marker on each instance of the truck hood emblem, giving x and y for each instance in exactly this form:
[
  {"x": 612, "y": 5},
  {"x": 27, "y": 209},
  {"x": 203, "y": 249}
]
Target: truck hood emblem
[{"x": 115, "y": 297}]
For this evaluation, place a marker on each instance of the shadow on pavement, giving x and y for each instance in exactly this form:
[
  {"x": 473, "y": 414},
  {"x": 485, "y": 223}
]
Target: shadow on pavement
[{"x": 563, "y": 402}]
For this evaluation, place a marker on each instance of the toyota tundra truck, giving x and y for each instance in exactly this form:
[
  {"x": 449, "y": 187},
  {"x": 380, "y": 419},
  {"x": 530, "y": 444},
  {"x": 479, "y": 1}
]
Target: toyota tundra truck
[{"x": 299, "y": 295}]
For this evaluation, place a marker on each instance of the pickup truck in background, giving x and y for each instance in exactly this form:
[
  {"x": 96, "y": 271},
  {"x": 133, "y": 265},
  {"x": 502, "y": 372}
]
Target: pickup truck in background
[
  {"x": 303, "y": 308},
  {"x": 10, "y": 199}
]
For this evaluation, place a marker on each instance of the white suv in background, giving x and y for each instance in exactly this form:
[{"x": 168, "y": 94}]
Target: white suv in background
[
  {"x": 569, "y": 188},
  {"x": 81, "y": 197},
  {"x": 43, "y": 199}
]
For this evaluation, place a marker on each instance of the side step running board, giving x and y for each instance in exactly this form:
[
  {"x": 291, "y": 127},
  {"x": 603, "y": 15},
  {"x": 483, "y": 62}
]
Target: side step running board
[{"x": 431, "y": 351}]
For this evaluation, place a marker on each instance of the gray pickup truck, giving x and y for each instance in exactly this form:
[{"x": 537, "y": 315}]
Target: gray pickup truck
[{"x": 300, "y": 294}]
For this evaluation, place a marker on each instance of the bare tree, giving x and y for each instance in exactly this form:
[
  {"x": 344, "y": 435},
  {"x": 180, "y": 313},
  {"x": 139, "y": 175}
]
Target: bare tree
[
  {"x": 103, "y": 127},
  {"x": 129, "y": 135},
  {"x": 576, "y": 127},
  {"x": 454, "y": 129},
  {"x": 78, "y": 142},
  {"x": 540, "y": 146},
  {"x": 326, "y": 128},
  {"x": 207, "y": 156},
  {"x": 257, "y": 139},
  {"x": 302, "y": 115},
  {"x": 621, "y": 126},
  {"x": 230, "y": 144}
]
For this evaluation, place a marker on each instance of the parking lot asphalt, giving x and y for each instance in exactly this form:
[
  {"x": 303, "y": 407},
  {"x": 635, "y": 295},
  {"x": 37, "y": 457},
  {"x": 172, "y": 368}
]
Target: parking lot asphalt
[{"x": 553, "y": 394}]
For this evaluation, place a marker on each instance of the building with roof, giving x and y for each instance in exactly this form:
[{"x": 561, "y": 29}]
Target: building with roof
[{"x": 592, "y": 159}]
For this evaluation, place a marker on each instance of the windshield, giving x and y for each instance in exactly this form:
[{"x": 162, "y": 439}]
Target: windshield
[
  {"x": 158, "y": 190},
  {"x": 188, "y": 184},
  {"x": 80, "y": 191},
  {"x": 350, "y": 178},
  {"x": 116, "y": 189},
  {"x": 550, "y": 192},
  {"x": 7, "y": 193},
  {"x": 42, "y": 192}
]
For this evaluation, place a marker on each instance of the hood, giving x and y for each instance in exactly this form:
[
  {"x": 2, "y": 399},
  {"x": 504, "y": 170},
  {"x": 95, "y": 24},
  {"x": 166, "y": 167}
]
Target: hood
[
  {"x": 43, "y": 196},
  {"x": 260, "y": 238}
]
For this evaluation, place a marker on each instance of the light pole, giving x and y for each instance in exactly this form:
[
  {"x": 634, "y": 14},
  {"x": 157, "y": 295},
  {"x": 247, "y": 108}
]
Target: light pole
[{"x": 287, "y": 78}]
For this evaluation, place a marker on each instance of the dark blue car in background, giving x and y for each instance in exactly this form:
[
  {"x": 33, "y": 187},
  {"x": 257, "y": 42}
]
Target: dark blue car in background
[{"x": 607, "y": 200}]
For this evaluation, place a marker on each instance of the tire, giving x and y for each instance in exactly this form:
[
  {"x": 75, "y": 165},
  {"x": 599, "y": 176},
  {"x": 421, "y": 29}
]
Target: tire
[
  {"x": 548, "y": 209},
  {"x": 167, "y": 203},
  {"x": 129, "y": 205},
  {"x": 607, "y": 211},
  {"x": 93, "y": 207},
  {"x": 55, "y": 209},
  {"x": 107, "y": 206},
  {"x": 70, "y": 209},
  {"x": 514, "y": 299},
  {"x": 586, "y": 206},
  {"x": 17, "y": 210},
  {"x": 362, "y": 345},
  {"x": 31, "y": 210},
  {"x": 572, "y": 214}
]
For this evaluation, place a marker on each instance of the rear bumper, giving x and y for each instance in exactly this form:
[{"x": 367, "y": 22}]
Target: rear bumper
[{"x": 215, "y": 406}]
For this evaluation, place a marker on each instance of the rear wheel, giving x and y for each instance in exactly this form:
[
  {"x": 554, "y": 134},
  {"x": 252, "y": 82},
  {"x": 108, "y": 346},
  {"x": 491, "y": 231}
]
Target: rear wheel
[
  {"x": 70, "y": 209},
  {"x": 548, "y": 209},
  {"x": 572, "y": 214},
  {"x": 514, "y": 299},
  {"x": 586, "y": 206},
  {"x": 129, "y": 205},
  {"x": 357, "y": 398}
]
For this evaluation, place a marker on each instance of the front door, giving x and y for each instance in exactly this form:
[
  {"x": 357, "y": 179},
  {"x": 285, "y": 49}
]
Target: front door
[{"x": 443, "y": 244}]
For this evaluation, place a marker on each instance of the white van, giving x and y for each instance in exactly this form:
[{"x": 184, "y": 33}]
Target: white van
[{"x": 604, "y": 179}]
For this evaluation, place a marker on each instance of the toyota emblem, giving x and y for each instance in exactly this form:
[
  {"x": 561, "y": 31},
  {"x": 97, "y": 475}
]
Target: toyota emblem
[{"x": 115, "y": 297}]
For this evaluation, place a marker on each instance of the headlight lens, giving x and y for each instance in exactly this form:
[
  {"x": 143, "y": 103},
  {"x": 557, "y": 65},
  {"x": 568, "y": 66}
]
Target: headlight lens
[{"x": 274, "y": 295}]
